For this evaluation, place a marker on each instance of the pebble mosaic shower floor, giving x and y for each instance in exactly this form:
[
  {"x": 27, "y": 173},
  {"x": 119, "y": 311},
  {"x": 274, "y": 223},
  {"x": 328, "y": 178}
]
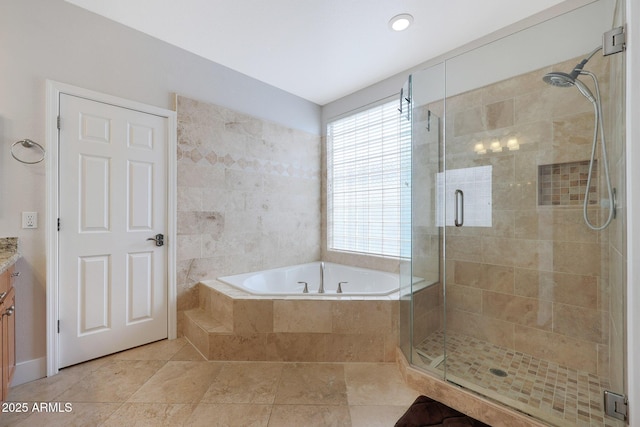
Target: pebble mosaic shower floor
[{"x": 534, "y": 386}]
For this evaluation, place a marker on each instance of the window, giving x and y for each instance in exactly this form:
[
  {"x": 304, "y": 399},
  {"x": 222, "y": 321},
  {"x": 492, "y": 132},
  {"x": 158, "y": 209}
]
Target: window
[{"x": 365, "y": 155}]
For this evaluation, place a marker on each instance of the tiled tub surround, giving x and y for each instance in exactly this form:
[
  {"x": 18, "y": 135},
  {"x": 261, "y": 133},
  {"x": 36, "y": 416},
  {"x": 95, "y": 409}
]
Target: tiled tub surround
[
  {"x": 248, "y": 195},
  {"x": 231, "y": 324}
]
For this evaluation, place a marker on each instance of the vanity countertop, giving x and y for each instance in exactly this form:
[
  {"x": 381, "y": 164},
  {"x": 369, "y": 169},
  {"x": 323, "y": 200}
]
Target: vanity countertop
[{"x": 8, "y": 252}]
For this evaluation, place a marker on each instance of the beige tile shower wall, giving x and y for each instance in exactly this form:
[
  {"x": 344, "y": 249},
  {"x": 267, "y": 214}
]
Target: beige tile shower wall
[
  {"x": 248, "y": 195},
  {"x": 537, "y": 281}
]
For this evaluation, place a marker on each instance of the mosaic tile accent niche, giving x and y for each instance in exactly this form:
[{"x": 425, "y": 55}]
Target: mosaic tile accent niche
[{"x": 565, "y": 184}]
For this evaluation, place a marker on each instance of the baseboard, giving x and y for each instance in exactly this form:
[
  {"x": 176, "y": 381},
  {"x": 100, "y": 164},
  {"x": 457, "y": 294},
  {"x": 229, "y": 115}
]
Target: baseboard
[{"x": 30, "y": 370}]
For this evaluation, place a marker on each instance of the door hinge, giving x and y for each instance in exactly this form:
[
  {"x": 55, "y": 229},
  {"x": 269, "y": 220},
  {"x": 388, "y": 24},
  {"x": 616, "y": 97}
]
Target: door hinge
[
  {"x": 58, "y": 122},
  {"x": 58, "y": 224},
  {"x": 58, "y": 326},
  {"x": 616, "y": 405},
  {"x": 613, "y": 41}
]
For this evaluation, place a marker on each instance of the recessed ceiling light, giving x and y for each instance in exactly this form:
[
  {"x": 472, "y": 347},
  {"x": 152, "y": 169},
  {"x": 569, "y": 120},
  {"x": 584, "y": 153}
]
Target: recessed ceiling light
[{"x": 401, "y": 22}]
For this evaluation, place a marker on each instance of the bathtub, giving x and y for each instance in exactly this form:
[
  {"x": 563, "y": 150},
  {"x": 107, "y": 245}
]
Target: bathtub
[
  {"x": 265, "y": 315},
  {"x": 285, "y": 281}
]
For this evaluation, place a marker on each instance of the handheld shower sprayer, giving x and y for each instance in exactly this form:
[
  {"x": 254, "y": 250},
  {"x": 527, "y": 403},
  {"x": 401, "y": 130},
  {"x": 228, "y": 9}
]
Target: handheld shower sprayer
[{"x": 559, "y": 79}]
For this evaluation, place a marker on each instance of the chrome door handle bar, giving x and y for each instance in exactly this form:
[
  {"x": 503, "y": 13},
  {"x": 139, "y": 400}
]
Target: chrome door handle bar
[{"x": 459, "y": 220}]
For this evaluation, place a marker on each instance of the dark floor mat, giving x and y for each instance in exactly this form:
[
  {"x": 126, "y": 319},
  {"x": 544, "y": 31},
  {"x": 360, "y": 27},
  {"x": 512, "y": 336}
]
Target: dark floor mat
[{"x": 426, "y": 412}]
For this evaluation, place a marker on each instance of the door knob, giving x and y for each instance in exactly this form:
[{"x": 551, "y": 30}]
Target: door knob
[
  {"x": 9, "y": 311},
  {"x": 159, "y": 239}
]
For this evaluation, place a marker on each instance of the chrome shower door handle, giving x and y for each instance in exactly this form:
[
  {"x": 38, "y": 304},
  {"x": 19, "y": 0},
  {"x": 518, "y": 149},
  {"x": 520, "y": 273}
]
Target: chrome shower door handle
[{"x": 459, "y": 220}]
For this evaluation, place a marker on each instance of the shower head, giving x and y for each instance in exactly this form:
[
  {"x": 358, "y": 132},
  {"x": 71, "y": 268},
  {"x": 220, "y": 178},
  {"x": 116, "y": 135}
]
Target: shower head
[{"x": 558, "y": 79}]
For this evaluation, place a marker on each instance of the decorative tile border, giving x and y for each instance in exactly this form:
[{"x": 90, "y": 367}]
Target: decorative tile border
[{"x": 248, "y": 164}]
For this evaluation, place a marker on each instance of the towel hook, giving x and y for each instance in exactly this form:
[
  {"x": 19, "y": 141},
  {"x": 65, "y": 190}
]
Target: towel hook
[{"x": 27, "y": 143}]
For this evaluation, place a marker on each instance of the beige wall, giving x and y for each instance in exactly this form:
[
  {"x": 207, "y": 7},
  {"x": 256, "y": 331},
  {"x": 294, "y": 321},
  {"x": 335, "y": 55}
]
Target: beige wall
[
  {"x": 248, "y": 195},
  {"x": 52, "y": 39}
]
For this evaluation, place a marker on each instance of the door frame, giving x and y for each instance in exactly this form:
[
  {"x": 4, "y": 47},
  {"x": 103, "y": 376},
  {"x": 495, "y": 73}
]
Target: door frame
[{"x": 54, "y": 90}]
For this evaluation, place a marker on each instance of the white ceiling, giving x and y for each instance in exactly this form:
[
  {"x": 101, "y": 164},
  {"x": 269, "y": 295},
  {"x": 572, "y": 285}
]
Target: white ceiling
[{"x": 320, "y": 50}]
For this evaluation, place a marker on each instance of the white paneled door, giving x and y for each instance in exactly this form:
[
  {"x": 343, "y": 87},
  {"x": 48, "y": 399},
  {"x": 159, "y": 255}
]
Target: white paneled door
[{"x": 112, "y": 203}]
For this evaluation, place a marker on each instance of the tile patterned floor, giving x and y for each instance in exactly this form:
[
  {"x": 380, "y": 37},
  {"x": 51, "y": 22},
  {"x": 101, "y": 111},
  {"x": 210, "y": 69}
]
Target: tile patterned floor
[
  {"x": 572, "y": 397},
  {"x": 169, "y": 383}
]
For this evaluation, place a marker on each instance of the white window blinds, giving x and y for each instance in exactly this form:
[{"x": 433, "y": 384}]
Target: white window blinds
[{"x": 364, "y": 159}]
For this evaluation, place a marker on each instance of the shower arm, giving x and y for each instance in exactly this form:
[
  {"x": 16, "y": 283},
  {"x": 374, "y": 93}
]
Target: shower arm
[
  {"x": 593, "y": 52},
  {"x": 578, "y": 68}
]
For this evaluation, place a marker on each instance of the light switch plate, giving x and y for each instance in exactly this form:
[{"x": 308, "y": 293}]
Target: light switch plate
[{"x": 29, "y": 219}]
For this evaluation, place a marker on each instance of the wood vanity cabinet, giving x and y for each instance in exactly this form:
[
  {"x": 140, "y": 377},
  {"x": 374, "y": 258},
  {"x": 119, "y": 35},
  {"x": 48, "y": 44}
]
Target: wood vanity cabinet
[{"x": 7, "y": 330}]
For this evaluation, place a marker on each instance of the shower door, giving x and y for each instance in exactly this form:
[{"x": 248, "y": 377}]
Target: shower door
[
  {"x": 423, "y": 341},
  {"x": 525, "y": 302}
]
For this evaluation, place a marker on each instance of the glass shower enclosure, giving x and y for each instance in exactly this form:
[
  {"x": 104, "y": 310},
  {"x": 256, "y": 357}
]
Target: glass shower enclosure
[{"x": 507, "y": 291}]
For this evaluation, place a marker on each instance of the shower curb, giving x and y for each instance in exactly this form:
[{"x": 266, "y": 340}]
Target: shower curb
[{"x": 464, "y": 401}]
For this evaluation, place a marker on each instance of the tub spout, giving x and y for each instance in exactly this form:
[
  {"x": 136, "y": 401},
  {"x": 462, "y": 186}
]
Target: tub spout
[{"x": 321, "y": 289}]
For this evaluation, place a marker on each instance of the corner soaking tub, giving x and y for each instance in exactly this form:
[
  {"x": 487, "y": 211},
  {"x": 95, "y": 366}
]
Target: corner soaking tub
[
  {"x": 266, "y": 315},
  {"x": 290, "y": 281}
]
